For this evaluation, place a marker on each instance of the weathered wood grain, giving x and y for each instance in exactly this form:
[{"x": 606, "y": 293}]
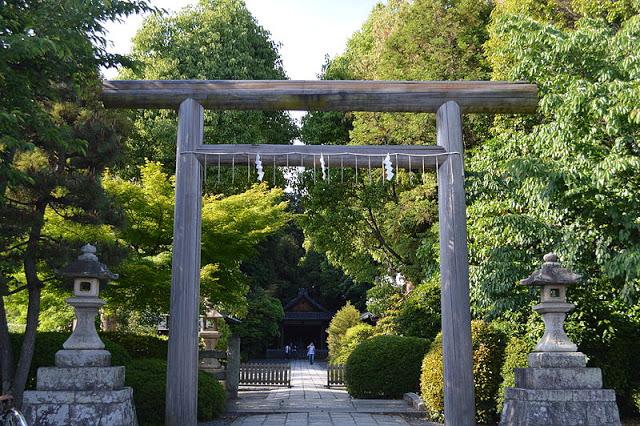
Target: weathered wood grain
[
  {"x": 459, "y": 404},
  {"x": 182, "y": 356},
  {"x": 324, "y": 95},
  {"x": 335, "y": 156}
]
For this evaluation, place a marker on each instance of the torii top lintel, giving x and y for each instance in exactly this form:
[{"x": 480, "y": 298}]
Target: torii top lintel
[{"x": 324, "y": 95}]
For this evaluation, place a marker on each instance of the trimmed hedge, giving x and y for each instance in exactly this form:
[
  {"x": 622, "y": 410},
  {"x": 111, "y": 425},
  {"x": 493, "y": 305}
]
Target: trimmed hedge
[
  {"x": 147, "y": 377},
  {"x": 385, "y": 367},
  {"x": 139, "y": 345},
  {"x": 515, "y": 356},
  {"x": 488, "y": 352},
  {"x": 50, "y": 342}
]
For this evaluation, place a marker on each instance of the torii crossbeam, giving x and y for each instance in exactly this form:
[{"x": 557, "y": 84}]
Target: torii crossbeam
[{"x": 448, "y": 99}]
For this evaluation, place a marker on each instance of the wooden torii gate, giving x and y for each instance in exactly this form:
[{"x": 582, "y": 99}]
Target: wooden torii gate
[{"x": 448, "y": 99}]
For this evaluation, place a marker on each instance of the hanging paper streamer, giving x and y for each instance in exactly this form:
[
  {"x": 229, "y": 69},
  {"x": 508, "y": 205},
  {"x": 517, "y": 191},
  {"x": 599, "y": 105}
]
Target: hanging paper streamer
[
  {"x": 259, "y": 168},
  {"x": 323, "y": 166},
  {"x": 388, "y": 167}
]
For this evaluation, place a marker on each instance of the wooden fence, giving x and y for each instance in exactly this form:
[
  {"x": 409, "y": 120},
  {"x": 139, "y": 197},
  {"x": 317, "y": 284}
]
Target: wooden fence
[
  {"x": 267, "y": 374},
  {"x": 335, "y": 375}
]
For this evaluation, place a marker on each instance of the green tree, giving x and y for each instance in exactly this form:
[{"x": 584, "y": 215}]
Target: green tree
[
  {"x": 262, "y": 326},
  {"x": 213, "y": 40},
  {"x": 376, "y": 230},
  {"x": 565, "y": 179},
  {"x": 344, "y": 319},
  {"x": 232, "y": 227},
  {"x": 55, "y": 140}
]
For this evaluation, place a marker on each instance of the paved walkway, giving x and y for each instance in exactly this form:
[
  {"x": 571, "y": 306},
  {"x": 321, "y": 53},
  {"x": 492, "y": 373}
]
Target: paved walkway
[{"x": 308, "y": 402}]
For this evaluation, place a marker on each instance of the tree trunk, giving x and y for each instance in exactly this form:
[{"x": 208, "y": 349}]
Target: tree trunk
[
  {"x": 34, "y": 287},
  {"x": 6, "y": 353}
]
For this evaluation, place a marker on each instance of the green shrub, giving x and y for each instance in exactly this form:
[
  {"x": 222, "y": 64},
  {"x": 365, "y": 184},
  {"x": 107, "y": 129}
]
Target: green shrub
[
  {"x": 352, "y": 338},
  {"x": 419, "y": 315},
  {"x": 344, "y": 319},
  {"x": 515, "y": 356},
  {"x": 50, "y": 342},
  {"x": 618, "y": 360},
  {"x": 147, "y": 377},
  {"x": 139, "y": 345},
  {"x": 385, "y": 367},
  {"x": 488, "y": 352}
]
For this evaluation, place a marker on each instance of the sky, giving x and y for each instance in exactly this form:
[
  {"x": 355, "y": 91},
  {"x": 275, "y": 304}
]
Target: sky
[{"x": 306, "y": 29}]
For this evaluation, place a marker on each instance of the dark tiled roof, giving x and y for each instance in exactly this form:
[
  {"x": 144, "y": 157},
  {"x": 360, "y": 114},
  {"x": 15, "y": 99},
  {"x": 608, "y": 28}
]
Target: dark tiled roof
[{"x": 304, "y": 294}]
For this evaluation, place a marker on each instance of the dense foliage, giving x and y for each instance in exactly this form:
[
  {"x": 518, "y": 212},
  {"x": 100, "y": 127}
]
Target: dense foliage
[
  {"x": 371, "y": 230},
  {"x": 139, "y": 345},
  {"x": 148, "y": 379},
  {"x": 488, "y": 352},
  {"x": 261, "y": 327},
  {"x": 212, "y": 40},
  {"x": 352, "y": 338},
  {"x": 347, "y": 317},
  {"x": 385, "y": 367},
  {"x": 55, "y": 139}
]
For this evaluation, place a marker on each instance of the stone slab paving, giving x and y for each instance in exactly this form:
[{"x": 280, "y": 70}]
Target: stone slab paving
[{"x": 309, "y": 402}]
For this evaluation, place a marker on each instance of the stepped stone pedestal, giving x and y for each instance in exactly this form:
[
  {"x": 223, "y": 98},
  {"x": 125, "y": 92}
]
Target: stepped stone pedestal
[
  {"x": 557, "y": 388},
  {"x": 83, "y": 389}
]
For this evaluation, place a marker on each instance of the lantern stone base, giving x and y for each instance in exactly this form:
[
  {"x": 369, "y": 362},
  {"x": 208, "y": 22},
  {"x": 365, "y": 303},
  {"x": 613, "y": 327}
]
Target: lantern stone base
[
  {"x": 80, "y": 395},
  {"x": 82, "y": 408},
  {"x": 559, "y": 391}
]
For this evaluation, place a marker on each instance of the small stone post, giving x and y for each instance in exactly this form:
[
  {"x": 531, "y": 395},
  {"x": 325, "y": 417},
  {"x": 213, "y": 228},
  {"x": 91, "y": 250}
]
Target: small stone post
[
  {"x": 83, "y": 388},
  {"x": 233, "y": 365},
  {"x": 232, "y": 375},
  {"x": 557, "y": 388}
]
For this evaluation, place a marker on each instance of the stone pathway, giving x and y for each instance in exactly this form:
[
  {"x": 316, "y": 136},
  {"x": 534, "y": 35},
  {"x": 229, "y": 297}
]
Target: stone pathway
[{"x": 308, "y": 402}]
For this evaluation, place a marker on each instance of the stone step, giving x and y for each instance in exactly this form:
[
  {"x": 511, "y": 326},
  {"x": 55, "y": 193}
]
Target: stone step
[
  {"x": 79, "y": 408},
  {"x": 80, "y": 378},
  {"x": 557, "y": 359},
  {"x": 83, "y": 358},
  {"x": 546, "y": 407},
  {"x": 558, "y": 378}
]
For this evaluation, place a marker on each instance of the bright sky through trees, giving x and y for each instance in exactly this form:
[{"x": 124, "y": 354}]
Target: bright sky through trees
[{"x": 307, "y": 29}]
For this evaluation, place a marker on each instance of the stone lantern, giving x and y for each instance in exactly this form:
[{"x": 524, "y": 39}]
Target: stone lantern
[
  {"x": 83, "y": 388},
  {"x": 557, "y": 388},
  {"x": 210, "y": 335},
  {"x": 87, "y": 277},
  {"x": 553, "y": 280}
]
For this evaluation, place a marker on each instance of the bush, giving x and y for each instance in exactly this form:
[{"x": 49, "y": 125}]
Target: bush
[
  {"x": 385, "y": 367},
  {"x": 147, "y": 377},
  {"x": 50, "y": 342},
  {"x": 139, "y": 345},
  {"x": 488, "y": 351},
  {"x": 344, "y": 319},
  {"x": 515, "y": 356},
  {"x": 352, "y": 338},
  {"x": 618, "y": 360},
  {"x": 419, "y": 315}
]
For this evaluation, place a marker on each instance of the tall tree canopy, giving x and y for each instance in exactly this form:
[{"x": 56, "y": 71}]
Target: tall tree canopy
[
  {"x": 565, "y": 179},
  {"x": 214, "y": 40},
  {"x": 54, "y": 141},
  {"x": 373, "y": 230}
]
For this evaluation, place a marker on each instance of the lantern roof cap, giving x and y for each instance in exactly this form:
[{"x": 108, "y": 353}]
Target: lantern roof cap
[
  {"x": 551, "y": 272},
  {"x": 87, "y": 265}
]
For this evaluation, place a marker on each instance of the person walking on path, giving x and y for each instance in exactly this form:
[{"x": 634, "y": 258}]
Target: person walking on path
[
  {"x": 311, "y": 352},
  {"x": 287, "y": 352}
]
